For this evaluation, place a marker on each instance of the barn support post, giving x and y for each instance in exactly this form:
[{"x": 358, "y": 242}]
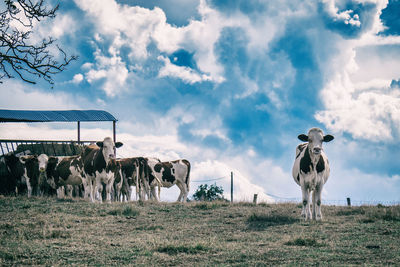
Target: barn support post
[
  {"x": 231, "y": 187},
  {"x": 114, "y": 137},
  {"x": 79, "y": 132}
]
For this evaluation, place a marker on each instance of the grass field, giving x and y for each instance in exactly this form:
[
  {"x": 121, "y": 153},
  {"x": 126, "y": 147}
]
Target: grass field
[{"x": 46, "y": 231}]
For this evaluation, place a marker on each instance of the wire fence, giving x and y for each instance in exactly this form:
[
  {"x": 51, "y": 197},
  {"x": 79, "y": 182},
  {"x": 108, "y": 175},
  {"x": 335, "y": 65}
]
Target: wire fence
[{"x": 332, "y": 202}]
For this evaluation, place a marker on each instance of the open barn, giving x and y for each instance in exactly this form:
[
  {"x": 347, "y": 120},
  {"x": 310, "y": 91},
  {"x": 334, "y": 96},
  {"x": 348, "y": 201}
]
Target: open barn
[{"x": 12, "y": 149}]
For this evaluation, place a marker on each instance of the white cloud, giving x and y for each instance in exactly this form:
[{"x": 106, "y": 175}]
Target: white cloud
[
  {"x": 371, "y": 113},
  {"x": 347, "y": 16},
  {"x": 22, "y": 96},
  {"x": 78, "y": 78},
  {"x": 357, "y": 96},
  {"x": 351, "y": 182},
  {"x": 220, "y": 173},
  {"x": 186, "y": 74},
  {"x": 112, "y": 69}
]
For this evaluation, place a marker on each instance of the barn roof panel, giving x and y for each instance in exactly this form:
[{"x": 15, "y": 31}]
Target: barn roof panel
[{"x": 54, "y": 115}]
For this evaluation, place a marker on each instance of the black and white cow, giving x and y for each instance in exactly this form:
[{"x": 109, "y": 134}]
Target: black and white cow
[
  {"x": 311, "y": 170},
  {"x": 30, "y": 173},
  {"x": 13, "y": 179},
  {"x": 100, "y": 166},
  {"x": 63, "y": 173},
  {"x": 167, "y": 174}
]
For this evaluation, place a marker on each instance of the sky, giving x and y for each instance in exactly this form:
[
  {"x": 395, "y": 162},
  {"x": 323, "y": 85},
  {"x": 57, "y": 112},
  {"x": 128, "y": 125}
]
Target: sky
[{"x": 229, "y": 85}]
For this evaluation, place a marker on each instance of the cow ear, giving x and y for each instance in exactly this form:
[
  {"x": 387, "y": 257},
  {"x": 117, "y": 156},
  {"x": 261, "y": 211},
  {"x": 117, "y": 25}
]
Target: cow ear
[
  {"x": 303, "y": 137},
  {"x": 22, "y": 159},
  {"x": 118, "y": 144},
  {"x": 99, "y": 144},
  {"x": 328, "y": 138}
]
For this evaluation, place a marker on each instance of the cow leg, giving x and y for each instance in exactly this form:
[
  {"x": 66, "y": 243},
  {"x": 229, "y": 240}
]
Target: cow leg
[
  {"x": 306, "y": 212},
  {"x": 68, "y": 190},
  {"x": 108, "y": 191},
  {"x": 153, "y": 194},
  {"x": 99, "y": 190},
  {"x": 93, "y": 190},
  {"x": 317, "y": 196},
  {"x": 183, "y": 194},
  {"x": 28, "y": 186},
  {"x": 86, "y": 188},
  {"x": 313, "y": 205},
  {"x": 60, "y": 192}
]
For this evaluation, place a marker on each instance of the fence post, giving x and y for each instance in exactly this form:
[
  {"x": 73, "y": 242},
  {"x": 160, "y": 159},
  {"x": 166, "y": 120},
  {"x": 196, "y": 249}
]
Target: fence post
[
  {"x": 255, "y": 199},
  {"x": 348, "y": 202},
  {"x": 231, "y": 187}
]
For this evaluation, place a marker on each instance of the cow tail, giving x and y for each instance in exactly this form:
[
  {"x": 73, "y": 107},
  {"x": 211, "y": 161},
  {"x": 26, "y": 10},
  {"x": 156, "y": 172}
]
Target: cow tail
[{"x": 187, "y": 181}]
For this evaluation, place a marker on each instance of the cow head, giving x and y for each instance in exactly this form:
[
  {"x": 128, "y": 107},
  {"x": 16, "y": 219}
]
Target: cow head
[
  {"x": 315, "y": 138},
  {"x": 43, "y": 160},
  {"x": 108, "y": 148}
]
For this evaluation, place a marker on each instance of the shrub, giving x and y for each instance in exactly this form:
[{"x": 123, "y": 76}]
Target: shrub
[{"x": 209, "y": 193}]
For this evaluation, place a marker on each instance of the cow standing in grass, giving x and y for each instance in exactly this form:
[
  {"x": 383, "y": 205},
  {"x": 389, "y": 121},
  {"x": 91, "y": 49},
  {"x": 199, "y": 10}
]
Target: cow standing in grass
[
  {"x": 311, "y": 170},
  {"x": 100, "y": 166},
  {"x": 25, "y": 170},
  {"x": 62, "y": 173},
  {"x": 132, "y": 170},
  {"x": 166, "y": 174}
]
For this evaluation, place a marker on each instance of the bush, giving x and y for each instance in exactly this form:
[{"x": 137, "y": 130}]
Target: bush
[{"x": 209, "y": 193}]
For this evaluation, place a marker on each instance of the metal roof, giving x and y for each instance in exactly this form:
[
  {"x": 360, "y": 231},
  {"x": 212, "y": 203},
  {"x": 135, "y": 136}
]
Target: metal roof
[{"x": 54, "y": 115}]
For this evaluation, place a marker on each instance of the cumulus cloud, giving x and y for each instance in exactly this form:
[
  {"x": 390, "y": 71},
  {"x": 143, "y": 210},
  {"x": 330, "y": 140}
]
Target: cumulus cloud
[
  {"x": 357, "y": 95},
  {"x": 78, "y": 78},
  {"x": 187, "y": 74},
  {"x": 372, "y": 113},
  {"x": 346, "y": 16},
  {"x": 110, "y": 69},
  {"x": 23, "y": 96}
]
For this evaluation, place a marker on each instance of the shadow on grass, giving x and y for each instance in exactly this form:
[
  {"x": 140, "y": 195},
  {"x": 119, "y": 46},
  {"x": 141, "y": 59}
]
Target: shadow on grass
[
  {"x": 348, "y": 211},
  {"x": 173, "y": 250},
  {"x": 304, "y": 242},
  {"x": 127, "y": 211},
  {"x": 210, "y": 205},
  {"x": 259, "y": 222}
]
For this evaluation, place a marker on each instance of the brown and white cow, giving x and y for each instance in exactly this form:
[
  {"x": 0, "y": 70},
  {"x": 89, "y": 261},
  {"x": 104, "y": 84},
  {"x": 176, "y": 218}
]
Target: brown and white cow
[
  {"x": 63, "y": 173},
  {"x": 100, "y": 166},
  {"x": 311, "y": 170},
  {"x": 167, "y": 174}
]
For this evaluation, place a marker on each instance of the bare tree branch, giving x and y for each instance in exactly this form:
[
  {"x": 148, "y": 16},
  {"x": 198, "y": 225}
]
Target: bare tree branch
[{"x": 19, "y": 57}]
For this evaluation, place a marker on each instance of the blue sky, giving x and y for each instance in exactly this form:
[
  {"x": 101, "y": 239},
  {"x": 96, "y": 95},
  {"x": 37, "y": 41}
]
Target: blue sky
[{"x": 230, "y": 84}]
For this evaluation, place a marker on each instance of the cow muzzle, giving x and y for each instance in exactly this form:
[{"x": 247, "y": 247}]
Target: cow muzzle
[
  {"x": 317, "y": 150},
  {"x": 41, "y": 169}
]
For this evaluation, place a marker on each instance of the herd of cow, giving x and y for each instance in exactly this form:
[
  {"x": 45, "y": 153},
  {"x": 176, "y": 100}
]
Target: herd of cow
[
  {"x": 99, "y": 173},
  {"x": 96, "y": 174}
]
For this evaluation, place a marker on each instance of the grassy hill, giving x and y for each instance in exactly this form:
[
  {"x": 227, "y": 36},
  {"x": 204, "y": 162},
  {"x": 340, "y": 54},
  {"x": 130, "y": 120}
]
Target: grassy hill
[{"x": 46, "y": 231}]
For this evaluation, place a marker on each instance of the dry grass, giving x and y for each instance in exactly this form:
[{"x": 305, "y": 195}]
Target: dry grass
[{"x": 46, "y": 231}]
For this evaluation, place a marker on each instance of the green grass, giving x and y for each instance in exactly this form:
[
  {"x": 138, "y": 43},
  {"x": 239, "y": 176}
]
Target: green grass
[{"x": 46, "y": 231}]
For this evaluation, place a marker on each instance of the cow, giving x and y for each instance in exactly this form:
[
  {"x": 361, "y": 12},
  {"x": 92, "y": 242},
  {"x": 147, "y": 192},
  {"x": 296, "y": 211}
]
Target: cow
[
  {"x": 63, "y": 172},
  {"x": 100, "y": 166},
  {"x": 132, "y": 175},
  {"x": 167, "y": 174},
  {"x": 13, "y": 179},
  {"x": 24, "y": 169},
  {"x": 311, "y": 170}
]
